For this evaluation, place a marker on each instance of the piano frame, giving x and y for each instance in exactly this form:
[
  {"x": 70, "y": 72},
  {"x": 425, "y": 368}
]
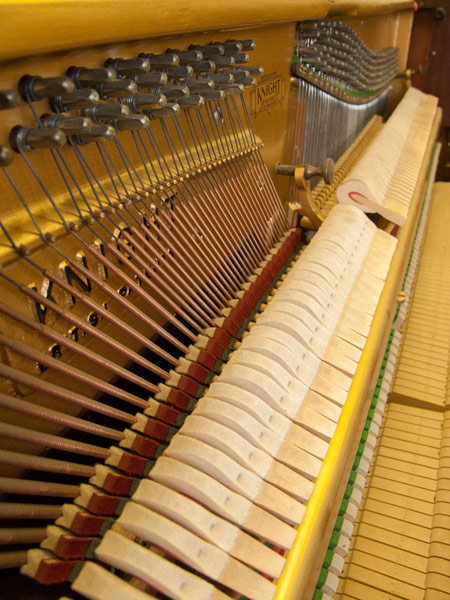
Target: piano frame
[{"x": 66, "y": 28}]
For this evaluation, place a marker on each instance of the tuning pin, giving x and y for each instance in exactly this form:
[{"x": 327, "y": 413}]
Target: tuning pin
[
  {"x": 30, "y": 138},
  {"x": 210, "y": 50},
  {"x": 9, "y": 99},
  {"x": 220, "y": 77},
  {"x": 84, "y": 98},
  {"x": 179, "y": 72},
  {"x": 203, "y": 66},
  {"x": 161, "y": 61},
  {"x": 105, "y": 112},
  {"x": 97, "y": 133},
  {"x": 90, "y": 77},
  {"x": 243, "y": 77},
  {"x": 231, "y": 89},
  {"x": 33, "y": 87},
  {"x": 151, "y": 79},
  {"x": 240, "y": 57},
  {"x": 252, "y": 70},
  {"x": 132, "y": 122},
  {"x": 117, "y": 89},
  {"x": 187, "y": 56},
  {"x": 232, "y": 46},
  {"x": 192, "y": 101},
  {"x": 224, "y": 61},
  {"x": 129, "y": 66},
  {"x": 139, "y": 101},
  {"x": 170, "y": 110},
  {"x": 199, "y": 85},
  {"x": 215, "y": 94},
  {"x": 173, "y": 92},
  {"x": 6, "y": 156},
  {"x": 70, "y": 125},
  {"x": 246, "y": 45}
]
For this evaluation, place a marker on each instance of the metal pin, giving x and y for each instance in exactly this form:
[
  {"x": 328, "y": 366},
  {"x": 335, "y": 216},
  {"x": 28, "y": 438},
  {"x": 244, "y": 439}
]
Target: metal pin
[
  {"x": 98, "y": 132},
  {"x": 252, "y": 70},
  {"x": 84, "y": 77},
  {"x": 224, "y": 61},
  {"x": 203, "y": 66},
  {"x": 84, "y": 98},
  {"x": 187, "y": 56},
  {"x": 151, "y": 79},
  {"x": 153, "y": 100},
  {"x": 240, "y": 57},
  {"x": 198, "y": 85},
  {"x": 6, "y": 156},
  {"x": 29, "y": 138},
  {"x": 194, "y": 101},
  {"x": 210, "y": 50},
  {"x": 161, "y": 61},
  {"x": 9, "y": 99},
  {"x": 106, "y": 112},
  {"x": 170, "y": 110},
  {"x": 129, "y": 66},
  {"x": 33, "y": 87},
  {"x": 246, "y": 45},
  {"x": 70, "y": 125},
  {"x": 220, "y": 77},
  {"x": 180, "y": 72},
  {"x": 132, "y": 122},
  {"x": 173, "y": 92},
  {"x": 117, "y": 89}
]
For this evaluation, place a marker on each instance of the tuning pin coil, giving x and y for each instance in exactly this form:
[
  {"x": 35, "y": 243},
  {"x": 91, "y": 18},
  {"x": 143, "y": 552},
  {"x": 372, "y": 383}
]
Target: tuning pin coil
[
  {"x": 31, "y": 138},
  {"x": 33, "y": 87}
]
